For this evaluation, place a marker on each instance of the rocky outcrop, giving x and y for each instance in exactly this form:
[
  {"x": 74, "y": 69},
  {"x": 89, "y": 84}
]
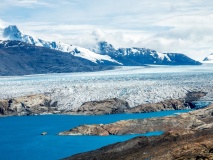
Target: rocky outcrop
[
  {"x": 198, "y": 119},
  {"x": 187, "y": 136},
  {"x": 171, "y": 104},
  {"x": 28, "y": 105},
  {"x": 172, "y": 145},
  {"x": 19, "y": 58},
  {"x": 115, "y": 105},
  {"x": 108, "y": 106}
]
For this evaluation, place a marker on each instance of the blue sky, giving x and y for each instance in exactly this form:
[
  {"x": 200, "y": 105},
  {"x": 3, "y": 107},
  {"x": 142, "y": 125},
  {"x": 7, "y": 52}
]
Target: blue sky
[{"x": 166, "y": 25}]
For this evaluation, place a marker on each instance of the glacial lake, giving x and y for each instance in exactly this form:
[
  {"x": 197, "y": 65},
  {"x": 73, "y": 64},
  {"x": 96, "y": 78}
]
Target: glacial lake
[{"x": 20, "y": 137}]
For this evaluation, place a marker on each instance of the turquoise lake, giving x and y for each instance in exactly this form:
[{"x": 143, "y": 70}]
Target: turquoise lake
[{"x": 20, "y": 137}]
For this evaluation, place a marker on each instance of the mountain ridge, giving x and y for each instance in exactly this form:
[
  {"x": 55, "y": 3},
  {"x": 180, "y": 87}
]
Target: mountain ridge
[
  {"x": 19, "y": 58},
  {"x": 12, "y": 32},
  {"x": 141, "y": 56},
  {"x": 104, "y": 53}
]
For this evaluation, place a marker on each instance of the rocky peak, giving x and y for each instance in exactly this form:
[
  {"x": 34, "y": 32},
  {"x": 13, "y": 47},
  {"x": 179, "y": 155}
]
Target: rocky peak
[
  {"x": 106, "y": 48},
  {"x": 12, "y": 32},
  {"x": 209, "y": 58}
]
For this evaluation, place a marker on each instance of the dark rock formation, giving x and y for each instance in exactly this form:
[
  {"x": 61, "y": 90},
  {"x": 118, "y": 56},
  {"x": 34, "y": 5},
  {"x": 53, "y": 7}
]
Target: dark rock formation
[
  {"x": 108, "y": 106},
  {"x": 171, "y": 104},
  {"x": 19, "y": 58},
  {"x": 194, "y": 96},
  {"x": 198, "y": 119},
  {"x": 44, "y": 133},
  {"x": 173, "y": 145},
  {"x": 115, "y": 105},
  {"x": 28, "y": 105}
]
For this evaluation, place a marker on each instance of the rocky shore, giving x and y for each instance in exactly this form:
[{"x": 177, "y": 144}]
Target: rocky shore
[
  {"x": 198, "y": 119},
  {"x": 115, "y": 105},
  {"x": 173, "y": 145},
  {"x": 108, "y": 106},
  {"x": 187, "y": 136},
  {"x": 28, "y": 105},
  {"x": 43, "y": 104}
]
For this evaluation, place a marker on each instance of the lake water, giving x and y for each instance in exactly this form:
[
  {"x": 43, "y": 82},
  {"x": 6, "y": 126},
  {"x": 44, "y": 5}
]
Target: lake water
[{"x": 20, "y": 137}]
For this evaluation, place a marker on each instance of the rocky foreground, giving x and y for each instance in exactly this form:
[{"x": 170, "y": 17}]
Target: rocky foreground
[
  {"x": 187, "y": 136},
  {"x": 173, "y": 145}
]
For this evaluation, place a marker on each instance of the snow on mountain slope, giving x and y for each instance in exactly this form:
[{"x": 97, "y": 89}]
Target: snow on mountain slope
[
  {"x": 92, "y": 56},
  {"x": 104, "y": 53},
  {"x": 139, "y": 56},
  {"x": 208, "y": 59},
  {"x": 106, "y": 48},
  {"x": 163, "y": 55},
  {"x": 13, "y": 33}
]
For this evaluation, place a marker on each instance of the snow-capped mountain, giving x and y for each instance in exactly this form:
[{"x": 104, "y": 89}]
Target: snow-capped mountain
[
  {"x": 141, "y": 56},
  {"x": 208, "y": 59},
  {"x": 20, "y": 58},
  {"x": 13, "y": 33},
  {"x": 104, "y": 53}
]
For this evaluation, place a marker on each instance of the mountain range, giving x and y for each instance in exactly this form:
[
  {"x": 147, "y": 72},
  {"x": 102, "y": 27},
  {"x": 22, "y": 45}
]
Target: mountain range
[
  {"x": 28, "y": 50},
  {"x": 20, "y": 58},
  {"x": 140, "y": 56},
  {"x": 13, "y": 33},
  {"x": 208, "y": 59}
]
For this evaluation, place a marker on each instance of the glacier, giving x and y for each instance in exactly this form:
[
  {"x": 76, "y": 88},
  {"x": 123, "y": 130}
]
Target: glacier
[{"x": 137, "y": 85}]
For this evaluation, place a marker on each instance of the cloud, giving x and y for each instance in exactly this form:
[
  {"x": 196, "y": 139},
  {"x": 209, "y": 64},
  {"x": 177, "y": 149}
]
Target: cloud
[
  {"x": 166, "y": 26},
  {"x": 26, "y": 3},
  {"x": 191, "y": 34},
  {"x": 3, "y": 24}
]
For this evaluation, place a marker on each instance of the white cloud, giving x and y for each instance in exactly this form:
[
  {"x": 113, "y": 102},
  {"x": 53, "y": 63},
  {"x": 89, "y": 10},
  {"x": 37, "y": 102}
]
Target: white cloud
[
  {"x": 167, "y": 25},
  {"x": 26, "y": 3}
]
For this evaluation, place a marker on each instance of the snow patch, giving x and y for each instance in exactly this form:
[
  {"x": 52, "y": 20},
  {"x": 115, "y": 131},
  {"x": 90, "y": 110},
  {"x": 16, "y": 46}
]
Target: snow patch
[
  {"x": 92, "y": 56},
  {"x": 163, "y": 55}
]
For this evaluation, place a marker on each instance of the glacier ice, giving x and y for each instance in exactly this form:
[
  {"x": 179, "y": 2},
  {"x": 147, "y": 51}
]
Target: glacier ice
[{"x": 137, "y": 85}]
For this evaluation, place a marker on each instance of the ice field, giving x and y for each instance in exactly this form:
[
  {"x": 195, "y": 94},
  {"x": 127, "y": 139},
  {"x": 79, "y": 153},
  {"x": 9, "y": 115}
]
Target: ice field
[{"x": 137, "y": 85}]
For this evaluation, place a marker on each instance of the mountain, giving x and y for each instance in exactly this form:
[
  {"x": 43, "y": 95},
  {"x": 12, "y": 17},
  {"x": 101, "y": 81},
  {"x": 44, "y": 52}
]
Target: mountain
[
  {"x": 208, "y": 59},
  {"x": 13, "y": 33},
  {"x": 19, "y": 58},
  {"x": 140, "y": 56},
  {"x": 104, "y": 53}
]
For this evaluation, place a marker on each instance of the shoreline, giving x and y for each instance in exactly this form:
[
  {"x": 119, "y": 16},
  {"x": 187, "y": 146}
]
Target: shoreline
[
  {"x": 43, "y": 104},
  {"x": 187, "y": 135}
]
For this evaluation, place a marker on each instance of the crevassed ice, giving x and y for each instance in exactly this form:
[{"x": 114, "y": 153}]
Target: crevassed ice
[{"x": 137, "y": 85}]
